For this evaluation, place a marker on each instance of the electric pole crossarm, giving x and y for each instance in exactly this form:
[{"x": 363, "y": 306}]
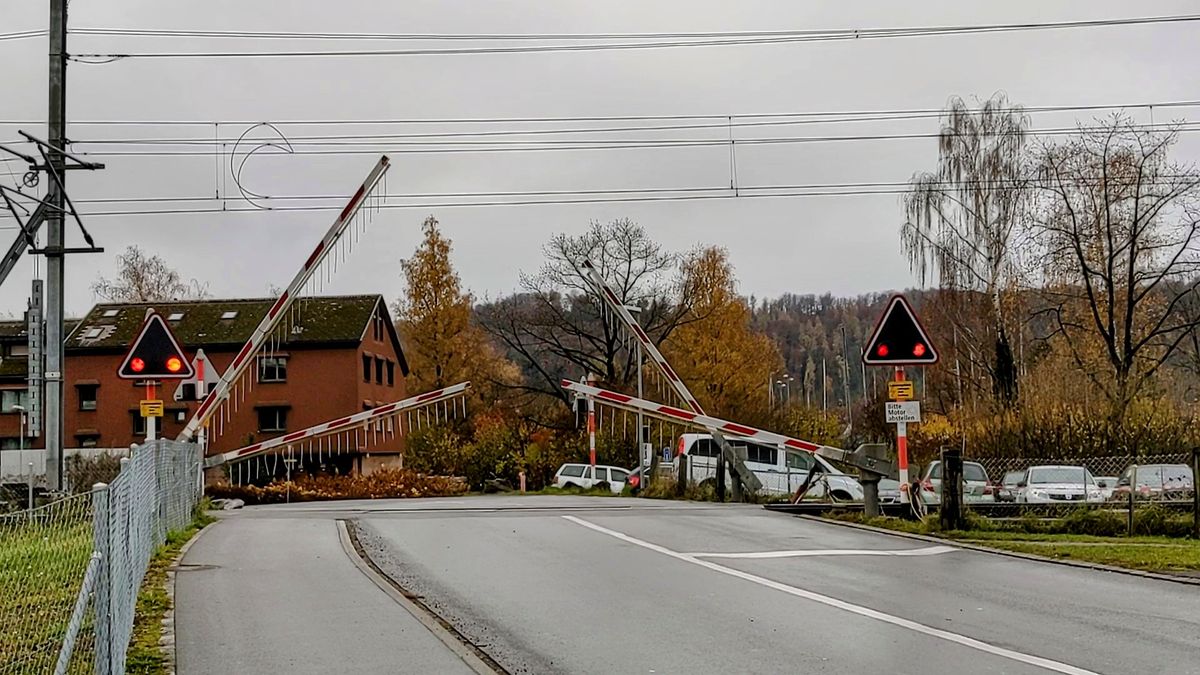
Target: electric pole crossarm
[{"x": 29, "y": 230}]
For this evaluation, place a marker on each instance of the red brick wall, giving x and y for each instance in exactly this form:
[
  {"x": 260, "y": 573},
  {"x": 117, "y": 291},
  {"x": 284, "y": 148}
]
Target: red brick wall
[{"x": 322, "y": 384}]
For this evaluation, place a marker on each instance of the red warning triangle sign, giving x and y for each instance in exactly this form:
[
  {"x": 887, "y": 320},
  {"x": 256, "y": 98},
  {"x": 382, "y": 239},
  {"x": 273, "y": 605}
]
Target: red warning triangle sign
[
  {"x": 155, "y": 354},
  {"x": 899, "y": 339}
]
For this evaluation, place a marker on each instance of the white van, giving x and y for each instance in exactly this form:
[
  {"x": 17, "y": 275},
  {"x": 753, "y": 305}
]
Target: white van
[
  {"x": 781, "y": 472},
  {"x": 582, "y": 476}
]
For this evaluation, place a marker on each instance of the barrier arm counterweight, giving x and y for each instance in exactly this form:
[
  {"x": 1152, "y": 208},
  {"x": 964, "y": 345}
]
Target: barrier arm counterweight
[
  {"x": 743, "y": 474},
  {"x": 275, "y": 315},
  {"x": 342, "y": 424}
]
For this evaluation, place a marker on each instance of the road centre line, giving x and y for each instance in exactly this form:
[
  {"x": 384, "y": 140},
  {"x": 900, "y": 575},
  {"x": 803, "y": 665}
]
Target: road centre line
[
  {"x": 972, "y": 643},
  {"x": 819, "y": 552}
]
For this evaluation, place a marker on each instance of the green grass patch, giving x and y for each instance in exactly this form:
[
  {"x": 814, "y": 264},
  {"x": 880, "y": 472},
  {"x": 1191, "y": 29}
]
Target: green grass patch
[
  {"x": 1150, "y": 553},
  {"x": 42, "y": 564},
  {"x": 1182, "y": 556},
  {"x": 588, "y": 492},
  {"x": 145, "y": 657}
]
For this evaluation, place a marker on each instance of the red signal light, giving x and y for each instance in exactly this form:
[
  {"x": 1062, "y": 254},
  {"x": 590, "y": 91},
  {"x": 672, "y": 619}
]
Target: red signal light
[
  {"x": 137, "y": 365},
  {"x": 174, "y": 365},
  {"x": 881, "y": 350},
  {"x": 918, "y": 349}
]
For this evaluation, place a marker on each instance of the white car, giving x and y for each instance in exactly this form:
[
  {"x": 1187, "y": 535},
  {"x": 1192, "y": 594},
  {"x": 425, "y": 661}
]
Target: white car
[
  {"x": 976, "y": 486},
  {"x": 1056, "y": 484},
  {"x": 781, "y": 472},
  {"x": 583, "y": 476}
]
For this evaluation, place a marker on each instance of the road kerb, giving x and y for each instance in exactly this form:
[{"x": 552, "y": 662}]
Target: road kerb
[{"x": 452, "y": 641}]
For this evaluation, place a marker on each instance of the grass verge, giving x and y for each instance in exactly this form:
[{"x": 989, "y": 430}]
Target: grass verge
[
  {"x": 1148, "y": 553},
  {"x": 145, "y": 656}
]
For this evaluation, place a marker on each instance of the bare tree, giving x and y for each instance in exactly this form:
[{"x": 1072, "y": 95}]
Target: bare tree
[
  {"x": 963, "y": 220},
  {"x": 146, "y": 278},
  {"x": 554, "y": 329},
  {"x": 1120, "y": 224}
]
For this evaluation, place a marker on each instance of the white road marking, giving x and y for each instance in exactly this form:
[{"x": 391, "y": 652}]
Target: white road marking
[
  {"x": 804, "y": 553},
  {"x": 972, "y": 643}
]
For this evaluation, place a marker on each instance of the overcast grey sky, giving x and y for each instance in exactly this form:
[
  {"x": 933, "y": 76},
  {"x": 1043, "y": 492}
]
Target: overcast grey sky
[{"x": 843, "y": 244}]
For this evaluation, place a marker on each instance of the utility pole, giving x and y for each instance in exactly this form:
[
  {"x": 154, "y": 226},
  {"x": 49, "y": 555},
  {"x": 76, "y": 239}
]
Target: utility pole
[
  {"x": 56, "y": 199},
  {"x": 846, "y": 378}
]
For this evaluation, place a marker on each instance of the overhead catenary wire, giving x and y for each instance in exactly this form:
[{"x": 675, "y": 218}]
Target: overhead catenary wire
[
  {"x": 851, "y": 115},
  {"x": 487, "y": 147},
  {"x": 634, "y": 41}
]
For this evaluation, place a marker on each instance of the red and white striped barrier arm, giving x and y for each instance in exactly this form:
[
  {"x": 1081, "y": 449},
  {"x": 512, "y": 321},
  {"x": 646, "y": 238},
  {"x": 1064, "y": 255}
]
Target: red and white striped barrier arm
[
  {"x": 635, "y": 328},
  {"x": 714, "y": 424},
  {"x": 271, "y": 321},
  {"x": 343, "y": 424}
]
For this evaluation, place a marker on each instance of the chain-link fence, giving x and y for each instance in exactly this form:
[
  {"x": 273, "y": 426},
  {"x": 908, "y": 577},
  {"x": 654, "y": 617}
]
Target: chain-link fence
[{"x": 70, "y": 571}]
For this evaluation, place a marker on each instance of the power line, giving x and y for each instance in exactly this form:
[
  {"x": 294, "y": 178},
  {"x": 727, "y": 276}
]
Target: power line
[
  {"x": 349, "y": 148},
  {"x": 639, "y": 42},
  {"x": 21, "y": 35},
  {"x": 882, "y": 114}
]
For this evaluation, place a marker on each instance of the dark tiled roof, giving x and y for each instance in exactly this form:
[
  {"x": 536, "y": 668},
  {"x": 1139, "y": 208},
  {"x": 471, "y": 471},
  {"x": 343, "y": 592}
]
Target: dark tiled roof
[
  {"x": 13, "y": 330},
  {"x": 325, "y": 320}
]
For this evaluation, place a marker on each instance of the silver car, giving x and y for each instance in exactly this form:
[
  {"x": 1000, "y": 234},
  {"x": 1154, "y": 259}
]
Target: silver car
[
  {"x": 1055, "y": 484},
  {"x": 977, "y": 487}
]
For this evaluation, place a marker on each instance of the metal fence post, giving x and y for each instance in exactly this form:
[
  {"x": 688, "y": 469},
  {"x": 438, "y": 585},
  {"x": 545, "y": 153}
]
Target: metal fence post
[
  {"x": 100, "y": 525},
  {"x": 1195, "y": 493}
]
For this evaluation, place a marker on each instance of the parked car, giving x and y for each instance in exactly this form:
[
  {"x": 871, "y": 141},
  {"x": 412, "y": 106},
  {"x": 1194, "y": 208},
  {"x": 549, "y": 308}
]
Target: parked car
[
  {"x": 1052, "y": 484},
  {"x": 1167, "y": 481},
  {"x": 582, "y": 476},
  {"x": 1007, "y": 491},
  {"x": 889, "y": 491},
  {"x": 781, "y": 471},
  {"x": 977, "y": 489},
  {"x": 1107, "y": 485}
]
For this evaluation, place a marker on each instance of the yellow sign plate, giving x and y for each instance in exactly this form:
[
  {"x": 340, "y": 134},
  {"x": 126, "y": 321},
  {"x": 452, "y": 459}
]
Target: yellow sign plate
[
  {"x": 901, "y": 390},
  {"x": 153, "y": 408}
]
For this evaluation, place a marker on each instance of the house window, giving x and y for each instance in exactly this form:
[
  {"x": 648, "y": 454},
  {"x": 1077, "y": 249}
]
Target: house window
[
  {"x": 13, "y": 397},
  {"x": 19, "y": 350},
  {"x": 10, "y": 444},
  {"x": 272, "y": 418},
  {"x": 391, "y": 370},
  {"x": 366, "y": 368},
  {"x": 187, "y": 391},
  {"x": 87, "y": 395},
  {"x": 272, "y": 369},
  {"x": 139, "y": 423},
  {"x": 378, "y": 370}
]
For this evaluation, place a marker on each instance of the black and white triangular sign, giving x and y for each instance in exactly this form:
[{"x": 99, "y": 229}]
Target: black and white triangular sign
[
  {"x": 155, "y": 354},
  {"x": 899, "y": 339}
]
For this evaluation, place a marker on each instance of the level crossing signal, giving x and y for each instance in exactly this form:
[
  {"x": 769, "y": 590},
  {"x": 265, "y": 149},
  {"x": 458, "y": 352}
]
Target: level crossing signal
[
  {"x": 899, "y": 339},
  {"x": 155, "y": 354}
]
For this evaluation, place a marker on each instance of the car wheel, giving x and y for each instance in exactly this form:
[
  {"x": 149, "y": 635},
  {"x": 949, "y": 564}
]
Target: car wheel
[
  {"x": 841, "y": 496},
  {"x": 571, "y": 486}
]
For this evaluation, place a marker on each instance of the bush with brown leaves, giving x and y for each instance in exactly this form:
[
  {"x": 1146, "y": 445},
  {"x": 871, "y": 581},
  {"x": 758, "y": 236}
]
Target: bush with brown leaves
[{"x": 382, "y": 484}]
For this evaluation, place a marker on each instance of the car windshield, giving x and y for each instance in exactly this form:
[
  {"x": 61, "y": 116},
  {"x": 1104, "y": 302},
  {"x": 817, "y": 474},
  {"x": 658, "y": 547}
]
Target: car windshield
[
  {"x": 974, "y": 472},
  {"x": 1013, "y": 477},
  {"x": 1060, "y": 474},
  {"x": 888, "y": 484},
  {"x": 1157, "y": 476}
]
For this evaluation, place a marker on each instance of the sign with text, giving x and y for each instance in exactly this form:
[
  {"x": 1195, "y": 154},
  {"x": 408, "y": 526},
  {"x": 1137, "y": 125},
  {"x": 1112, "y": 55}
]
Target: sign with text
[
  {"x": 901, "y": 390},
  {"x": 152, "y": 408},
  {"x": 903, "y": 411}
]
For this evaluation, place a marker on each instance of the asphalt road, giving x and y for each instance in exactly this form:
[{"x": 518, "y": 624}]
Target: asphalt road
[{"x": 598, "y": 585}]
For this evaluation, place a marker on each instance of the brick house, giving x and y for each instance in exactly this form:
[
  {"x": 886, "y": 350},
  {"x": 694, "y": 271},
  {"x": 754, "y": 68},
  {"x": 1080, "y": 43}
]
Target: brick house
[{"x": 342, "y": 356}]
